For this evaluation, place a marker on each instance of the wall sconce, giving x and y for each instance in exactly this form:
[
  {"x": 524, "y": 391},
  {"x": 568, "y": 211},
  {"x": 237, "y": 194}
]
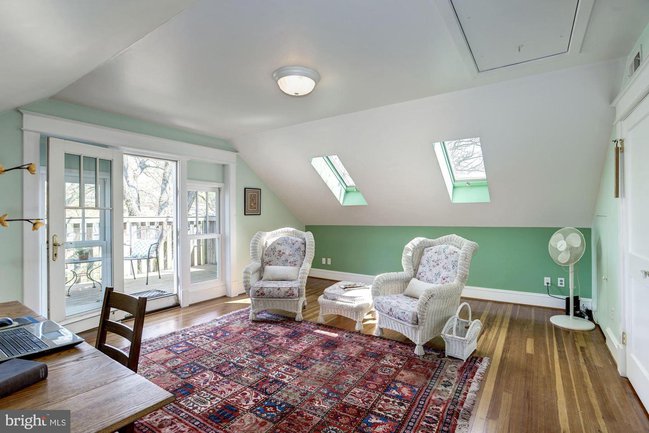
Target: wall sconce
[{"x": 36, "y": 223}]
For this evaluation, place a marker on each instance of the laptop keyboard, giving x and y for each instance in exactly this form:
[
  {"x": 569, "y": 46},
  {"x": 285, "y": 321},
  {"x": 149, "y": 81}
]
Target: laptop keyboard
[{"x": 16, "y": 342}]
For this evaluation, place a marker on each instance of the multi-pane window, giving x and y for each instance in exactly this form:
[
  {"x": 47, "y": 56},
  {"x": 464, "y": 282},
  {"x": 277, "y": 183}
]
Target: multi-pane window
[
  {"x": 337, "y": 178},
  {"x": 204, "y": 230},
  {"x": 463, "y": 170}
]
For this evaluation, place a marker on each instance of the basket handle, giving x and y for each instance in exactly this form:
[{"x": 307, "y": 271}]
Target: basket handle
[{"x": 457, "y": 313}]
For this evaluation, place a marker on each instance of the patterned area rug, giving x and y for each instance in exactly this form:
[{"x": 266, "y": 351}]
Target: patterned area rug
[{"x": 277, "y": 375}]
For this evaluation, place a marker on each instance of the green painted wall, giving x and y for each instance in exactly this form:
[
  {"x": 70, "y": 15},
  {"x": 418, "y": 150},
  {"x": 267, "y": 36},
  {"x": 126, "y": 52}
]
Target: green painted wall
[
  {"x": 274, "y": 213},
  {"x": 11, "y": 248},
  {"x": 605, "y": 240},
  {"x": 508, "y": 258},
  {"x": 205, "y": 171},
  {"x": 605, "y": 236}
]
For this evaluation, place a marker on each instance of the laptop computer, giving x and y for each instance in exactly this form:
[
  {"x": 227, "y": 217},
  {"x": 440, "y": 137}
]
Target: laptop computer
[{"x": 35, "y": 339}]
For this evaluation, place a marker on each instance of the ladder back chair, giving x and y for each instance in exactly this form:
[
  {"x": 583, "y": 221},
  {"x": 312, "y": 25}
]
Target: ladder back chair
[{"x": 129, "y": 304}]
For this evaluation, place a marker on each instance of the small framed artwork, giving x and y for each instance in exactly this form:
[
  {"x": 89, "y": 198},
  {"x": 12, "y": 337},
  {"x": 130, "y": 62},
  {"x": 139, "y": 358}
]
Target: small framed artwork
[{"x": 252, "y": 201}]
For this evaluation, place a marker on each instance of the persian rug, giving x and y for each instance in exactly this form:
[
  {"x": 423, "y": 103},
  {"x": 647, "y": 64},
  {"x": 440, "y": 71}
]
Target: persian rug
[{"x": 278, "y": 375}]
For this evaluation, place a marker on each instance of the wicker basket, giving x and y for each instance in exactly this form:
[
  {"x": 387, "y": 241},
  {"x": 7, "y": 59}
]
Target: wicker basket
[{"x": 460, "y": 335}]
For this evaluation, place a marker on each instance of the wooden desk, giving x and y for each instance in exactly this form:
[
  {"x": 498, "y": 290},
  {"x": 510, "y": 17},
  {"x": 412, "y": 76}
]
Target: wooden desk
[{"x": 101, "y": 394}]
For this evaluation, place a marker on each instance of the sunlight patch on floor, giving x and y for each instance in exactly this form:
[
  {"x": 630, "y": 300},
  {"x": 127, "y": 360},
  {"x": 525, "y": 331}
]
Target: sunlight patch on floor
[{"x": 239, "y": 301}]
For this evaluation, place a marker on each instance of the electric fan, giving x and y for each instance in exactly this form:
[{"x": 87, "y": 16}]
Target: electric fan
[{"x": 566, "y": 247}]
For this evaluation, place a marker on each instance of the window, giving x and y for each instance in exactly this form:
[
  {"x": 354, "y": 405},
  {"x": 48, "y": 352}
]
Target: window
[
  {"x": 204, "y": 230},
  {"x": 337, "y": 178},
  {"x": 463, "y": 170}
]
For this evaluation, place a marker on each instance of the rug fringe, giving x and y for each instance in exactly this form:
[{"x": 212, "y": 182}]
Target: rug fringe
[{"x": 464, "y": 422}]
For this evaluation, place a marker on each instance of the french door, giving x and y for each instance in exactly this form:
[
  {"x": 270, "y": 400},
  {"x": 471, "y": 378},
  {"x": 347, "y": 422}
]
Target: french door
[
  {"x": 635, "y": 130},
  {"x": 84, "y": 202}
]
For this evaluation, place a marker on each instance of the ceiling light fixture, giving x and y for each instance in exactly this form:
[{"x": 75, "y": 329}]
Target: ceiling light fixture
[{"x": 296, "y": 80}]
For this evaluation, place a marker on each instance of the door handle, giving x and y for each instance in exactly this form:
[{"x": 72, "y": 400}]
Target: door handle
[
  {"x": 645, "y": 273},
  {"x": 55, "y": 247}
]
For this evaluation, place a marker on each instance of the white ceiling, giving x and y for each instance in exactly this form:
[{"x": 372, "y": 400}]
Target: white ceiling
[
  {"x": 536, "y": 29},
  {"x": 543, "y": 139},
  {"x": 47, "y": 45},
  {"x": 209, "y": 69},
  {"x": 395, "y": 79}
]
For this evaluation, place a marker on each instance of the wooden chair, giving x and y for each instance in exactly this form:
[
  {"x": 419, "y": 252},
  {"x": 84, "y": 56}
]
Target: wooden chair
[{"x": 129, "y": 304}]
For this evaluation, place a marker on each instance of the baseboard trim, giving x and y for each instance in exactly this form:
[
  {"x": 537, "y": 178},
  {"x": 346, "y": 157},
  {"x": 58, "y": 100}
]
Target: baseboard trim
[
  {"x": 616, "y": 348},
  {"x": 205, "y": 293},
  {"x": 340, "y": 276},
  {"x": 482, "y": 293}
]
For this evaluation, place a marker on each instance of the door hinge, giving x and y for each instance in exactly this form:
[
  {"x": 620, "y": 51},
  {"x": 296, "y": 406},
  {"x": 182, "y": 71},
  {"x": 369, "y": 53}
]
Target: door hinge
[
  {"x": 619, "y": 143},
  {"x": 624, "y": 338}
]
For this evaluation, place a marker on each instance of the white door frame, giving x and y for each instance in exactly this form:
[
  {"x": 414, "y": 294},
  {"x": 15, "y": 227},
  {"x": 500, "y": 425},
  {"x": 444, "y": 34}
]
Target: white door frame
[
  {"x": 639, "y": 114},
  {"x": 631, "y": 96},
  {"x": 36, "y": 124},
  {"x": 56, "y": 301}
]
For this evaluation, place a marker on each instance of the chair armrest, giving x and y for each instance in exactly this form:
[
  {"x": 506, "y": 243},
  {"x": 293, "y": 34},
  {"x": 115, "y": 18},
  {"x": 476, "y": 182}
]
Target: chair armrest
[
  {"x": 391, "y": 283},
  {"x": 443, "y": 298},
  {"x": 251, "y": 274}
]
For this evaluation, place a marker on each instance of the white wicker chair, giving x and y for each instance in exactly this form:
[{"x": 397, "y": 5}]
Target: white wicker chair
[
  {"x": 278, "y": 295},
  {"x": 423, "y": 319}
]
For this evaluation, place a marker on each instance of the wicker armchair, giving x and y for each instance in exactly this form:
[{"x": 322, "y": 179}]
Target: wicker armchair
[
  {"x": 443, "y": 262},
  {"x": 282, "y": 247}
]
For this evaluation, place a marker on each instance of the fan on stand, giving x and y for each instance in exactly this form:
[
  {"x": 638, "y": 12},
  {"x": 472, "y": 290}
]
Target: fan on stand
[{"x": 566, "y": 247}]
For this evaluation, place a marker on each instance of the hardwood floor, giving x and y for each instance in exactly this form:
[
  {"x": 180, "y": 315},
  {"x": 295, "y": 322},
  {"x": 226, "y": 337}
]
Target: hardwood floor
[{"x": 541, "y": 379}]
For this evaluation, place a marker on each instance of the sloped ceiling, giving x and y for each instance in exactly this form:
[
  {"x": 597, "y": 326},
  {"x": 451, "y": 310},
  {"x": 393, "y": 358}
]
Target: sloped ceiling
[
  {"x": 47, "y": 45},
  {"x": 209, "y": 69},
  {"x": 543, "y": 139},
  {"x": 394, "y": 80}
]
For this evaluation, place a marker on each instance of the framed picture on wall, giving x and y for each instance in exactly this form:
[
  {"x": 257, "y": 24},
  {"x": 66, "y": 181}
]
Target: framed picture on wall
[{"x": 252, "y": 201}]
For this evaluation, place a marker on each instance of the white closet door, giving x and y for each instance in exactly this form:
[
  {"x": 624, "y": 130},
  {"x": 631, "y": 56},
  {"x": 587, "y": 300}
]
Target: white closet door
[{"x": 635, "y": 130}]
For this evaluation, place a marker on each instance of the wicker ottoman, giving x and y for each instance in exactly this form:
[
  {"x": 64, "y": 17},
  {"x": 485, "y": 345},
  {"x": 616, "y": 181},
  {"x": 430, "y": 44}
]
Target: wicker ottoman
[{"x": 353, "y": 303}]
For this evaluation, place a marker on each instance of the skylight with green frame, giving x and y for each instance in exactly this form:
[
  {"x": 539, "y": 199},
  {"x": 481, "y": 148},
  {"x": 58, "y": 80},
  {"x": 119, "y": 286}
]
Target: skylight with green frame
[
  {"x": 337, "y": 178},
  {"x": 463, "y": 170}
]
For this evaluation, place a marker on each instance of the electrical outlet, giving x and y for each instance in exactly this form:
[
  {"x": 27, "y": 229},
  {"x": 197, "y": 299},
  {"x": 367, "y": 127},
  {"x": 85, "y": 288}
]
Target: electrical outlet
[
  {"x": 547, "y": 281},
  {"x": 324, "y": 261},
  {"x": 328, "y": 260},
  {"x": 561, "y": 282}
]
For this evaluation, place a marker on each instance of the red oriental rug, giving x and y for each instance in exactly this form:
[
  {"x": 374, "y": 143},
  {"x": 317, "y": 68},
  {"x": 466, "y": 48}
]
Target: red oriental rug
[{"x": 278, "y": 375}]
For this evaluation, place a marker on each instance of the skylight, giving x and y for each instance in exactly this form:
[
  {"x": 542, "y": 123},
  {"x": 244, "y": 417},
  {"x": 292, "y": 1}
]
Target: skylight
[
  {"x": 337, "y": 178},
  {"x": 465, "y": 159},
  {"x": 463, "y": 170}
]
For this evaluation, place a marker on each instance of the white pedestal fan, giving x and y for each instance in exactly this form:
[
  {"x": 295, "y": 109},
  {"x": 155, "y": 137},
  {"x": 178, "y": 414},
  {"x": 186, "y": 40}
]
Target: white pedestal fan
[{"x": 566, "y": 247}]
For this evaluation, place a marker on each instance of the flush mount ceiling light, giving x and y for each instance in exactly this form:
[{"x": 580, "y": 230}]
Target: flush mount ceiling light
[{"x": 296, "y": 80}]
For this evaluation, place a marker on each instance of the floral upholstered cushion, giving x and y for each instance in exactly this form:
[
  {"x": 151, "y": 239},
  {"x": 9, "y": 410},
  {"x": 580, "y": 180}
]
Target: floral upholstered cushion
[
  {"x": 400, "y": 307},
  {"x": 284, "y": 251},
  {"x": 439, "y": 264},
  {"x": 275, "y": 289}
]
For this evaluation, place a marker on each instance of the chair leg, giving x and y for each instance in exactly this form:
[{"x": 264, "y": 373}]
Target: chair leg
[
  {"x": 157, "y": 263},
  {"x": 253, "y": 315},
  {"x": 147, "y": 271},
  {"x": 378, "y": 332},
  {"x": 132, "y": 269},
  {"x": 419, "y": 350},
  {"x": 298, "y": 315}
]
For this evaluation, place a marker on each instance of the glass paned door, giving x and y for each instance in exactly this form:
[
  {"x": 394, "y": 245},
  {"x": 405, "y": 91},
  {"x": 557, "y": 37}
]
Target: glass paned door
[
  {"x": 204, "y": 230},
  {"x": 80, "y": 227},
  {"x": 150, "y": 218}
]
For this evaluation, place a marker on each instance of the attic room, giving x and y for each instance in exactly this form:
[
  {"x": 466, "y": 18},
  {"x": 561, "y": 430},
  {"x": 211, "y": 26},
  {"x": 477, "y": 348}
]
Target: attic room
[{"x": 344, "y": 216}]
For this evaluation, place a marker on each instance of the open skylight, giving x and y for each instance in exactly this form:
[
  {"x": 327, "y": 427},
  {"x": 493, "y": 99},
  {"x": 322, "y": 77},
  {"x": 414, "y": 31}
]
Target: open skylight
[
  {"x": 337, "y": 178},
  {"x": 463, "y": 170}
]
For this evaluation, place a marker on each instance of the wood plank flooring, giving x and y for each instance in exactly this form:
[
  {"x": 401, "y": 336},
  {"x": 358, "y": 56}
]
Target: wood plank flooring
[{"x": 541, "y": 379}]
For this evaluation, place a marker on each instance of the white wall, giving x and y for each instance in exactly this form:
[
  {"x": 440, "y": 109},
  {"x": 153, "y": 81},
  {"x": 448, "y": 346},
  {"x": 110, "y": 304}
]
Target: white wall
[{"x": 544, "y": 140}]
